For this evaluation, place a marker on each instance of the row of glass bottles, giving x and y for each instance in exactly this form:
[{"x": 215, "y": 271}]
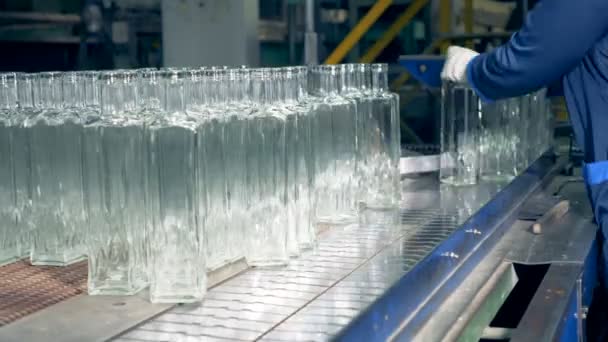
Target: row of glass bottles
[
  {"x": 492, "y": 141},
  {"x": 159, "y": 176}
]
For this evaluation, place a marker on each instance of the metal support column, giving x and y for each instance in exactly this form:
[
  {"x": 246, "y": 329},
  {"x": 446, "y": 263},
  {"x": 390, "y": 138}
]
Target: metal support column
[{"x": 311, "y": 54}]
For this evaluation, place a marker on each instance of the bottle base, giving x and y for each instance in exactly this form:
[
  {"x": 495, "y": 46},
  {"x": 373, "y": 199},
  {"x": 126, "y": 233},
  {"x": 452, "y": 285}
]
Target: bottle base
[
  {"x": 336, "y": 220},
  {"x": 54, "y": 260},
  {"x": 306, "y": 246},
  {"x": 268, "y": 262},
  {"x": 8, "y": 259},
  {"x": 109, "y": 289},
  {"x": 176, "y": 298}
]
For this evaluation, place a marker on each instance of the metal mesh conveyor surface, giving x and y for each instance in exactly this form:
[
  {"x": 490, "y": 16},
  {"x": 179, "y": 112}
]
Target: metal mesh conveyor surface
[
  {"x": 320, "y": 292},
  {"x": 25, "y": 289}
]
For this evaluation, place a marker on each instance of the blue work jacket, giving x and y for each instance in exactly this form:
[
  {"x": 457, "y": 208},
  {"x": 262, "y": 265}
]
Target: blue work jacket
[{"x": 560, "y": 39}]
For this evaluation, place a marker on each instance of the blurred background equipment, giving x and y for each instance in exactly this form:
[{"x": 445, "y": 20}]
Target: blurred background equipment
[{"x": 123, "y": 34}]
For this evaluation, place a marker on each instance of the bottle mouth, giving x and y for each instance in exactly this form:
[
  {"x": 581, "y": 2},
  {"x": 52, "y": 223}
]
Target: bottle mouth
[
  {"x": 379, "y": 67},
  {"x": 8, "y": 79}
]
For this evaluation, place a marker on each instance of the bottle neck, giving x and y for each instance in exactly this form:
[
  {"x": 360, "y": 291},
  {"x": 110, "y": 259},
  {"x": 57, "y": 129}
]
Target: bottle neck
[
  {"x": 244, "y": 86},
  {"x": 364, "y": 77},
  {"x": 273, "y": 86},
  {"x": 50, "y": 91},
  {"x": 379, "y": 77},
  {"x": 290, "y": 86},
  {"x": 222, "y": 87},
  {"x": 91, "y": 88},
  {"x": 302, "y": 77},
  {"x": 118, "y": 93},
  {"x": 73, "y": 90},
  {"x": 330, "y": 80},
  {"x": 194, "y": 96},
  {"x": 258, "y": 86},
  {"x": 8, "y": 91},
  {"x": 173, "y": 86},
  {"x": 314, "y": 81},
  {"x": 25, "y": 91},
  {"x": 149, "y": 86},
  {"x": 350, "y": 80}
]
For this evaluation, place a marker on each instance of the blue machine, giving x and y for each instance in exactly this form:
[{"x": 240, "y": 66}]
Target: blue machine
[{"x": 424, "y": 68}]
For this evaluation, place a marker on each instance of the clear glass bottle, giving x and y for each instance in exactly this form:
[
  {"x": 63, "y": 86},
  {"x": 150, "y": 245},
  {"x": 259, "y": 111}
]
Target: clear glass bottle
[
  {"x": 498, "y": 142},
  {"x": 385, "y": 139},
  {"x": 58, "y": 213},
  {"x": 211, "y": 159},
  {"x": 335, "y": 191},
  {"x": 345, "y": 143},
  {"x": 114, "y": 162},
  {"x": 460, "y": 114},
  {"x": 235, "y": 133},
  {"x": 9, "y": 230},
  {"x": 293, "y": 158},
  {"x": 530, "y": 123},
  {"x": 266, "y": 167},
  {"x": 351, "y": 89},
  {"x": 304, "y": 179},
  {"x": 549, "y": 122},
  {"x": 21, "y": 160},
  {"x": 178, "y": 270},
  {"x": 324, "y": 206}
]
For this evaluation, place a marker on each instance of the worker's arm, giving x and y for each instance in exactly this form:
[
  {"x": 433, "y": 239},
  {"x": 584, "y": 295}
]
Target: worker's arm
[{"x": 554, "y": 38}]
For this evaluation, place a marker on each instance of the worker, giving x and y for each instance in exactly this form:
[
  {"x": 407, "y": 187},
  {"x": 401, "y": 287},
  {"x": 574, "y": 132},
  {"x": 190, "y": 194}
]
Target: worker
[{"x": 560, "y": 40}]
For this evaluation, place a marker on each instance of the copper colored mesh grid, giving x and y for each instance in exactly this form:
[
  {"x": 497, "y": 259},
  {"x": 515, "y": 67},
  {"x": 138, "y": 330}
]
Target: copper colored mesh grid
[{"x": 25, "y": 289}]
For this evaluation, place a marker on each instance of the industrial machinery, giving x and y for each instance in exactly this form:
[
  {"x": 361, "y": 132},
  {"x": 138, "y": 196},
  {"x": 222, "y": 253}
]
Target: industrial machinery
[
  {"x": 495, "y": 261},
  {"x": 451, "y": 264}
]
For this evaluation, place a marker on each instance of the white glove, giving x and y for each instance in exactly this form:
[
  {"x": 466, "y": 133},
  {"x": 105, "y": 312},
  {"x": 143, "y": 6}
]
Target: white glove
[{"x": 456, "y": 62}]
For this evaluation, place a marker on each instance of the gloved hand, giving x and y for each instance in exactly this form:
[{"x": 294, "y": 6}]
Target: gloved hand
[{"x": 456, "y": 62}]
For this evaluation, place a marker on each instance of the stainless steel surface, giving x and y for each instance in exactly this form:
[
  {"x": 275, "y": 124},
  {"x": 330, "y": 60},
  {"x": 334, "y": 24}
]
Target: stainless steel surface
[
  {"x": 565, "y": 241},
  {"x": 542, "y": 320},
  {"x": 82, "y": 318},
  {"x": 322, "y": 291}
]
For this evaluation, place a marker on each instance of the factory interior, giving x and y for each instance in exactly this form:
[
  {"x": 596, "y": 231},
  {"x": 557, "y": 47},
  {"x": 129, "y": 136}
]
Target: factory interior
[{"x": 283, "y": 170}]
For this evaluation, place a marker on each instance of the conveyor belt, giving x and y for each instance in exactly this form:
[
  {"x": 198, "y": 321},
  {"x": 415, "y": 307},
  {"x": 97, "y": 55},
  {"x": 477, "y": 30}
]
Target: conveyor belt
[
  {"x": 346, "y": 282},
  {"x": 25, "y": 289},
  {"x": 322, "y": 291}
]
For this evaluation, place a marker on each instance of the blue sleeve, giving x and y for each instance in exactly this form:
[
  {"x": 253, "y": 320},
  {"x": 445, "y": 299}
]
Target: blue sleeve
[{"x": 555, "y": 37}]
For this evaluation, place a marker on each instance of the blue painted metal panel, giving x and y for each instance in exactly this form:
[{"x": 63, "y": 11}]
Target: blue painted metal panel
[
  {"x": 590, "y": 275},
  {"x": 568, "y": 329},
  {"x": 568, "y": 325},
  {"x": 424, "y": 68}
]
